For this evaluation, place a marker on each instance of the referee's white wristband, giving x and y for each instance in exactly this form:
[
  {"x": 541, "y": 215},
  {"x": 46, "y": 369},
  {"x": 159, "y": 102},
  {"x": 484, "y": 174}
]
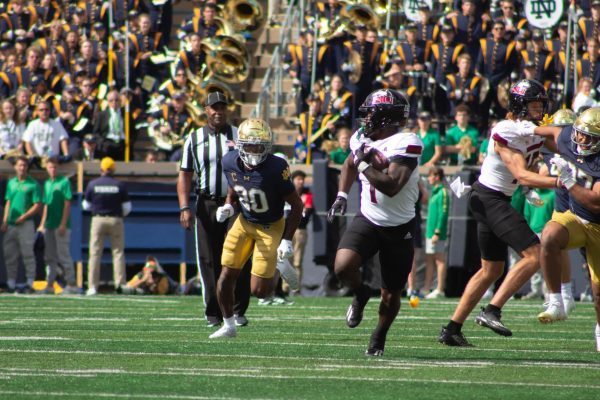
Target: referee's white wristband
[
  {"x": 362, "y": 166},
  {"x": 343, "y": 194}
]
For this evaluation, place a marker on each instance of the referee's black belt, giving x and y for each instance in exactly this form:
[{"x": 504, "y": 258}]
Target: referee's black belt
[
  {"x": 208, "y": 196},
  {"x": 106, "y": 215}
]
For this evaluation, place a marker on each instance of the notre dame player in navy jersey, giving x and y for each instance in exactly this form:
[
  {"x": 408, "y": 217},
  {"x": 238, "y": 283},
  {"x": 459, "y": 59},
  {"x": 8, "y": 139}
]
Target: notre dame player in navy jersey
[
  {"x": 578, "y": 169},
  {"x": 260, "y": 183},
  {"x": 563, "y": 118}
]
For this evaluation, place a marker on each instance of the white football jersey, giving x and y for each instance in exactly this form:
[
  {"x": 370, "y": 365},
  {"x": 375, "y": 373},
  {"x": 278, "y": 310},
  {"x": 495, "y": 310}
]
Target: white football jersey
[
  {"x": 376, "y": 206},
  {"x": 494, "y": 173}
]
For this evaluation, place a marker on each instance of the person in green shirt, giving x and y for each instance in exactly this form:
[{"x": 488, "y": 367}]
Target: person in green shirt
[
  {"x": 432, "y": 144},
  {"x": 56, "y": 226},
  {"x": 339, "y": 155},
  {"x": 23, "y": 196},
  {"x": 436, "y": 232},
  {"x": 456, "y": 143}
]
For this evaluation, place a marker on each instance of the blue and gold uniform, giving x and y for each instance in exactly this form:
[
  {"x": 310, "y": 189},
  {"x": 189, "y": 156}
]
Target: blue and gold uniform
[
  {"x": 583, "y": 224},
  {"x": 259, "y": 227}
]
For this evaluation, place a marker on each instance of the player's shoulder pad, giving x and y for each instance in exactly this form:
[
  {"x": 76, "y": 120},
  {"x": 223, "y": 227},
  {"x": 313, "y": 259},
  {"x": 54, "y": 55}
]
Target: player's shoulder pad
[
  {"x": 407, "y": 145},
  {"x": 507, "y": 133},
  {"x": 229, "y": 160}
]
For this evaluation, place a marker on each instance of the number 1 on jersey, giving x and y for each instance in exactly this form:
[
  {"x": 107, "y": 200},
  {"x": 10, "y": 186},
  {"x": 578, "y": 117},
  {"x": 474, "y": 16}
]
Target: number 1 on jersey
[{"x": 373, "y": 195}]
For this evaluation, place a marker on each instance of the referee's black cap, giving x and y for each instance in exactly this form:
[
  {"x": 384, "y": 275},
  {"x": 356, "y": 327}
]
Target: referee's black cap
[{"x": 216, "y": 97}]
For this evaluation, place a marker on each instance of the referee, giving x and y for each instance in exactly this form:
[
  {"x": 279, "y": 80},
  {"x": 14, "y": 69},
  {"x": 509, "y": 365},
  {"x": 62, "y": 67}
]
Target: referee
[{"x": 202, "y": 153}]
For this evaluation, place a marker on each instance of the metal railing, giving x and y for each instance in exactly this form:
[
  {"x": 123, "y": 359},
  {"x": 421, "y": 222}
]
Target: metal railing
[{"x": 274, "y": 76}]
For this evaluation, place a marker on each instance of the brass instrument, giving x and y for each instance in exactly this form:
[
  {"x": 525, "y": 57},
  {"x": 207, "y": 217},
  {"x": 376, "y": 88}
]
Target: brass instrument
[
  {"x": 224, "y": 27},
  {"x": 227, "y": 65},
  {"x": 484, "y": 90},
  {"x": 163, "y": 139},
  {"x": 502, "y": 92},
  {"x": 235, "y": 42},
  {"x": 380, "y": 7},
  {"x": 213, "y": 85},
  {"x": 245, "y": 15},
  {"x": 355, "y": 60},
  {"x": 362, "y": 14}
]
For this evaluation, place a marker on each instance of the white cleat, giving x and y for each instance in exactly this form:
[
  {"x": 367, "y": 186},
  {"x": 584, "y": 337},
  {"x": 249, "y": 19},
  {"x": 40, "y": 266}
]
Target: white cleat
[
  {"x": 288, "y": 273},
  {"x": 569, "y": 303},
  {"x": 436, "y": 294},
  {"x": 597, "y": 337},
  {"x": 554, "y": 312},
  {"x": 224, "y": 332},
  {"x": 91, "y": 292}
]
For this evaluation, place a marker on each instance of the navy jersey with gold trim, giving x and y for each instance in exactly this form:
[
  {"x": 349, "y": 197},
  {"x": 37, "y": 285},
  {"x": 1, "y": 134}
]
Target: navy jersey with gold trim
[
  {"x": 587, "y": 171},
  {"x": 261, "y": 191}
]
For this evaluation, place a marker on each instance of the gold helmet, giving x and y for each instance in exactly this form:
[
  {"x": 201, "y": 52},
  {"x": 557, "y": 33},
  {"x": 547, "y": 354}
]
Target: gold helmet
[
  {"x": 586, "y": 132},
  {"x": 254, "y": 141},
  {"x": 563, "y": 117}
]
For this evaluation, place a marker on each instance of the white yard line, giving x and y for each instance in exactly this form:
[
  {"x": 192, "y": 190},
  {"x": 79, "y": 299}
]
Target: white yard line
[{"x": 122, "y": 395}]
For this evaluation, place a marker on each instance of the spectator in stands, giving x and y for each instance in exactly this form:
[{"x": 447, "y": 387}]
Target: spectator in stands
[
  {"x": 313, "y": 130},
  {"x": 18, "y": 22},
  {"x": 152, "y": 156},
  {"x": 56, "y": 226},
  {"x": 303, "y": 68},
  {"x": 513, "y": 22},
  {"x": 204, "y": 25},
  {"x": 464, "y": 87},
  {"x": 427, "y": 28},
  {"x": 587, "y": 66},
  {"x": 202, "y": 150},
  {"x": 542, "y": 59},
  {"x": 22, "y": 102},
  {"x": 74, "y": 115},
  {"x": 23, "y": 201},
  {"x": 176, "y": 123},
  {"x": 89, "y": 149},
  {"x": 108, "y": 201},
  {"x": 11, "y": 130},
  {"x": 45, "y": 137},
  {"x": 468, "y": 27},
  {"x": 24, "y": 75},
  {"x": 435, "y": 234},
  {"x": 301, "y": 235},
  {"x": 337, "y": 103},
  {"x": 109, "y": 127},
  {"x": 462, "y": 139},
  {"x": 584, "y": 98},
  {"x": 432, "y": 144},
  {"x": 339, "y": 155},
  {"x": 192, "y": 60}
]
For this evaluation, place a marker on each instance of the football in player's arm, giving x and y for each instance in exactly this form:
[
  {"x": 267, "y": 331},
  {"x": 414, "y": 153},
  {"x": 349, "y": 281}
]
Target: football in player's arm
[
  {"x": 259, "y": 185},
  {"x": 386, "y": 161}
]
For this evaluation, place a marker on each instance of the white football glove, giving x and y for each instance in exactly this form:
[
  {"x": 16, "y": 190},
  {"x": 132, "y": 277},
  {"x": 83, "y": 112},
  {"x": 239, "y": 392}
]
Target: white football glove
[
  {"x": 224, "y": 212},
  {"x": 566, "y": 175},
  {"x": 285, "y": 249},
  {"x": 526, "y": 128},
  {"x": 532, "y": 197}
]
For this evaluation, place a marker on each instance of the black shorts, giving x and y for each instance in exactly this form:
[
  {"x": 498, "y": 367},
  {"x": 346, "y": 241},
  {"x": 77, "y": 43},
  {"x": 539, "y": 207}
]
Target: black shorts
[
  {"x": 498, "y": 224},
  {"x": 394, "y": 244}
]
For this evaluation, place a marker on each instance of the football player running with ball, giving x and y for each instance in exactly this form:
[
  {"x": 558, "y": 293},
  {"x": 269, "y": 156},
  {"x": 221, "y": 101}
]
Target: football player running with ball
[
  {"x": 259, "y": 182},
  {"x": 511, "y": 155},
  {"x": 386, "y": 161}
]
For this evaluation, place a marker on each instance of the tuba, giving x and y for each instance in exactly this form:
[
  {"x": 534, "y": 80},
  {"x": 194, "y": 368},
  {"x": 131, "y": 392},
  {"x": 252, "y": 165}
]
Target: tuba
[
  {"x": 362, "y": 14},
  {"x": 380, "y": 7},
  {"x": 503, "y": 92},
  {"x": 162, "y": 136},
  {"x": 227, "y": 65},
  {"x": 245, "y": 15},
  {"x": 235, "y": 42}
]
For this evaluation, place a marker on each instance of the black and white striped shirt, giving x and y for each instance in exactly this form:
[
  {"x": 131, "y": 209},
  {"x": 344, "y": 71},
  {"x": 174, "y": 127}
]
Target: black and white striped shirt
[{"x": 202, "y": 153}]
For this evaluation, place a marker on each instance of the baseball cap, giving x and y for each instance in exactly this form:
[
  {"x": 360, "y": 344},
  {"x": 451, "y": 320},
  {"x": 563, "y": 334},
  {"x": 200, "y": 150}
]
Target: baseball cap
[
  {"x": 107, "y": 164},
  {"x": 70, "y": 88},
  {"x": 411, "y": 26},
  {"x": 447, "y": 28},
  {"x": 424, "y": 115},
  {"x": 595, "y": 3},
  {"x": 216, "y": 97},
  {"x": 36, "y": 80}
]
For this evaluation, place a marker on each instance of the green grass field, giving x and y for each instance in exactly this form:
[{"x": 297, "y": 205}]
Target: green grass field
[{"x": 158, "y": 348}]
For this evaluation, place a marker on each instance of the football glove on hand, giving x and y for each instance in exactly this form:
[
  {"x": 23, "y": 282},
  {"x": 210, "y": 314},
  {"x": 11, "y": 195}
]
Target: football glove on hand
[
  {"x": 532, "y": 197},
  {"x": 285, "y": 249},
  {"x": 224, "y": 212},
  {"x": 526, "y": 128},
  {"x": 566, "y": 175},
  {"x": 340, "y": 204},
  {"x": 360, "y": 155}
]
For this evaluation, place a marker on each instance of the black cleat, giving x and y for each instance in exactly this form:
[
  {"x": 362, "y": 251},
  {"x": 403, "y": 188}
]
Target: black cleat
[
  {"x": 453, "y": 338},
  {"x": 354, "y": 315},
  {"x": 373, "y": 352},
  {"x": 492, "y": 321}
]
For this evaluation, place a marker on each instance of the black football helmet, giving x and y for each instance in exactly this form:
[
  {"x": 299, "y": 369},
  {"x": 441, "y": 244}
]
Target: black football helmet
[
  {"x": 524, "y": 92},
  {"x": 383, "y": 108}
]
